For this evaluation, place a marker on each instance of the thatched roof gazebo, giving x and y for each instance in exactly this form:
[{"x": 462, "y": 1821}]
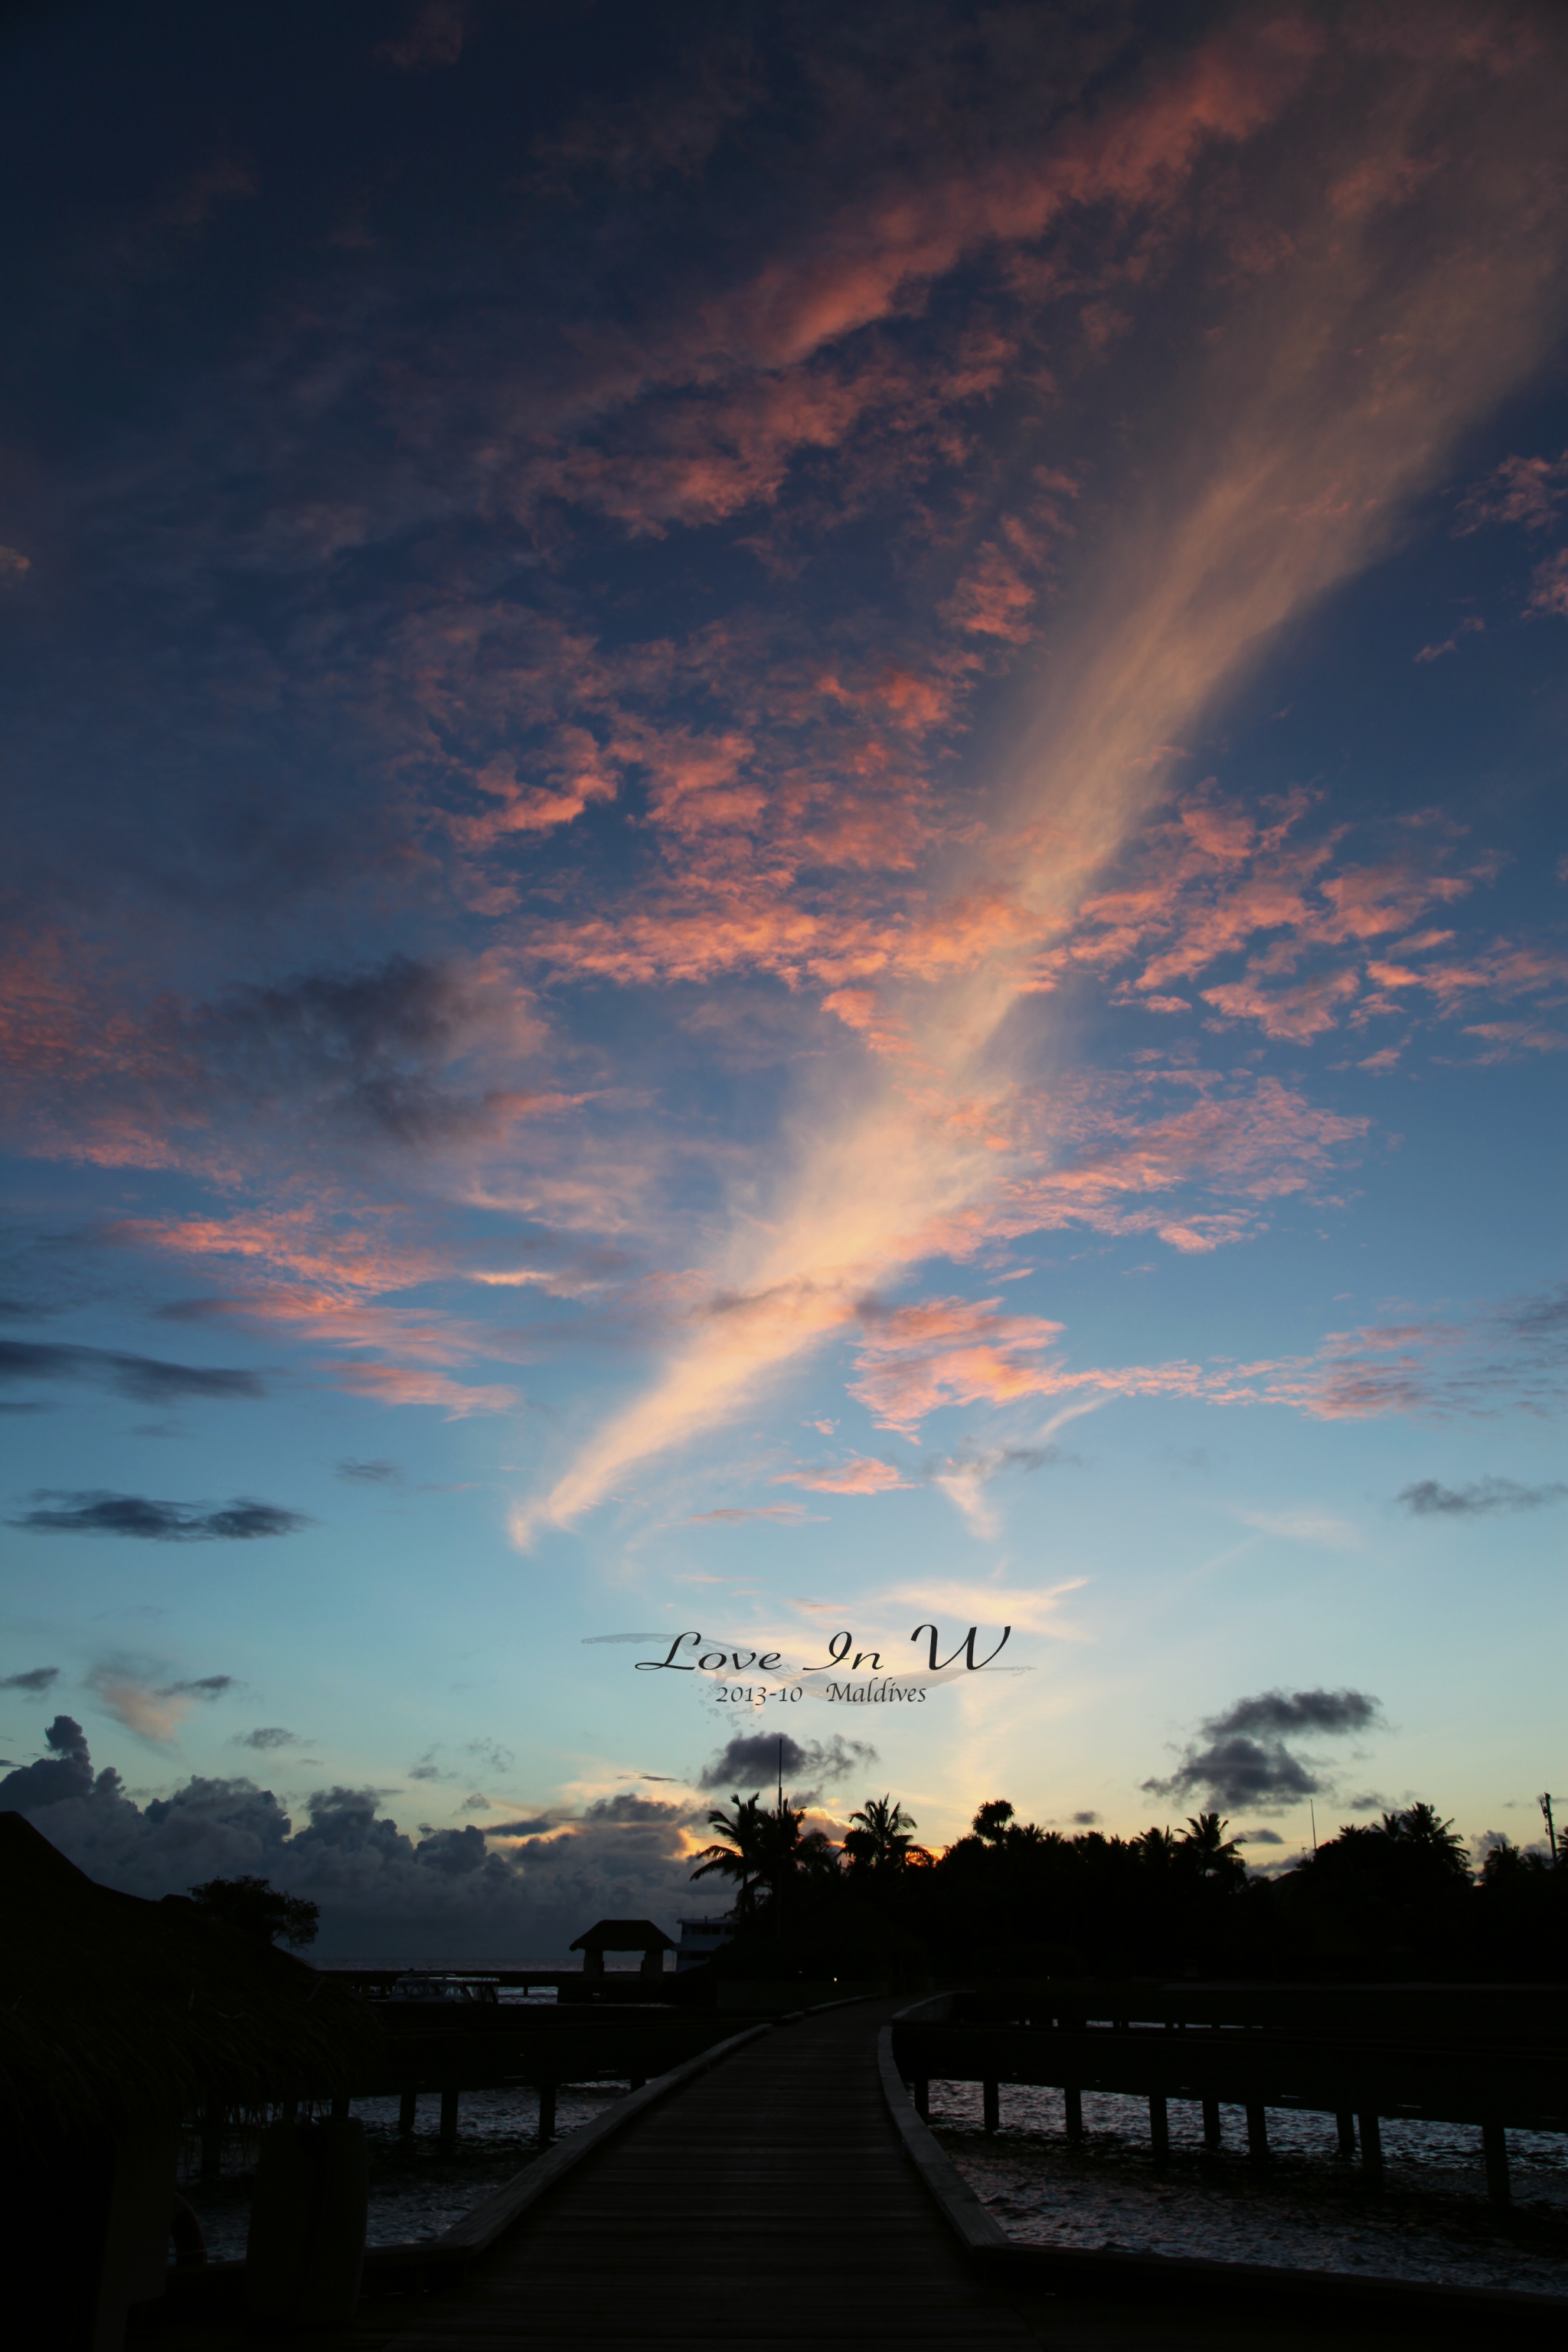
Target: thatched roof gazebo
[{"x": 117, "y": 2016}]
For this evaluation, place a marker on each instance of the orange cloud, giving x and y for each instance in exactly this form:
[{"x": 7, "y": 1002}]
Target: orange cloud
[
  {"x": 396, "y": 1384},
  {"x": 861, "y": 1475}
]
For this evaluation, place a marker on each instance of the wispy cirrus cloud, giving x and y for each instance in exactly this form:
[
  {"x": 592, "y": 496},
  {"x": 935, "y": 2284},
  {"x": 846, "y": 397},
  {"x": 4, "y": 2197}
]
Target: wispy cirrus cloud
[{"x": 1242, "y": 532}]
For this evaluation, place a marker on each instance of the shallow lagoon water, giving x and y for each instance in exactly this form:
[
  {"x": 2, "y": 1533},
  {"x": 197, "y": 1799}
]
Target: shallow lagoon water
[
  {"x": 1308, "y": 2209},
  {"x": 416, "y": 2188}
]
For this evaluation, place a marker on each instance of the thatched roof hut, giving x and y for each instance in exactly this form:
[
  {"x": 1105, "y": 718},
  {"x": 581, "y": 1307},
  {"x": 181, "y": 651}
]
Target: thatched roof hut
[{"x": 114, "y": 2010}]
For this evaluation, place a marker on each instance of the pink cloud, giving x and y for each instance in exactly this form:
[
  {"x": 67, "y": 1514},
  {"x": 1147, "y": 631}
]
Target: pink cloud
[
  {"x": 861, "y": 1475},
  {"x": 396, "y": 1384},
  {"x": 1527, "y": 491},
  {"x": 950, "y": 1351},
  {"x": 1549, "y": 586}
]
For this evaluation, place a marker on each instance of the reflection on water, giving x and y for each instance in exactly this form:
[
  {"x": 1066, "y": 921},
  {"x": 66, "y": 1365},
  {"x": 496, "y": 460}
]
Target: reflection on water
[
  {"x": 416, "y": 2188},
  {"x": 1306, "y": 2209}
]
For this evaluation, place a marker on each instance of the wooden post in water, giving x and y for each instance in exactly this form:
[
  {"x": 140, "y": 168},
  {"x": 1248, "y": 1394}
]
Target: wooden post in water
[
  {"x": 1159, "y": 2126},
  {"x": 546, "y": 2113},
  {"x": 920, "y": 2091},
  {"x": 1257, "y": 2134},
  {"x": 1371, "y": 2142},
  {"x": 1210, "y": 2124},
  {"x": 1346, "y": 2124},
  {"x": 1494, "y": 2142},
  {"x": 340, "y": 2108},
  {"x": 1072, "y": 2107},
  {"x": 408, "y": 2109},
  {"x": 211, "y": 2139},
  {"x": 449, "y": 2116},
  {"x": 991, "y": 2101}
]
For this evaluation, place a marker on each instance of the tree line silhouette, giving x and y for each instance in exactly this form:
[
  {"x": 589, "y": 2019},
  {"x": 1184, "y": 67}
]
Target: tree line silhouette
[{"x": 1396, "y": 1898}]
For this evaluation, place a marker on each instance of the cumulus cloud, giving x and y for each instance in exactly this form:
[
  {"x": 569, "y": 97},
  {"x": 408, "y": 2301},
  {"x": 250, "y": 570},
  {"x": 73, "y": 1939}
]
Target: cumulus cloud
[
  {"x": 530, "y": 1883},
  {"x": 93, "y": 1511},
  {"x": 148, "y": 1379},
  {"x": 1241, "y": 1759},
  {"x": 757, "y": 1758},
  {"x": 35, "y": 1679},
  {"x": 1427, "y": 1498}
]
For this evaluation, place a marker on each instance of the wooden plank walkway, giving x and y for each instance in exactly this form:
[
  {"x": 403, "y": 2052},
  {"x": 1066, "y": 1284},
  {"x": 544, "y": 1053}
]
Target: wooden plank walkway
[{"x": 767, "y": 2204}]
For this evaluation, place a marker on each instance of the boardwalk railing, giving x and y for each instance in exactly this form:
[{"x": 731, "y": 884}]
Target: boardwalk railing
[{"x": 1494, "y": 2060}]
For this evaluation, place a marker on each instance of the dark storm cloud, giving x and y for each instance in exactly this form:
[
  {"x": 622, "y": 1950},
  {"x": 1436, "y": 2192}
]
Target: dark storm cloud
[
  {"x": 756, "y": 1758},
  {"x": 65, "y": 1770},
  {"x": 1241, "y": 1759},
  {"x": 1309, "y": 1710},
  {"x": 149, "y": 1379},
  {"x": 1426, "y": 1500},
  {"x": 356, "y": 1050},
  {"x": 94, "y": 1512},
  {"x": 622, "y": 1857}
]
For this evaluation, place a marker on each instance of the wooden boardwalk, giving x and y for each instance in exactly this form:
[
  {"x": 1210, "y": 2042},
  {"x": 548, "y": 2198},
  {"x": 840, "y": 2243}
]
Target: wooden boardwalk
[{"x": 767, "y": 2204}]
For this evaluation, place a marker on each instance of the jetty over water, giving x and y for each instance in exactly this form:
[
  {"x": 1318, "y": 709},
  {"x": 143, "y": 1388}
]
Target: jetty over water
[{"x": 778, "y": 2188}]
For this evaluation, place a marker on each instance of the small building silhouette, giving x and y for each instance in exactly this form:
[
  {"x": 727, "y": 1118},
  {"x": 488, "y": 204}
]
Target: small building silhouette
[{"x": 624, "y": 1935}]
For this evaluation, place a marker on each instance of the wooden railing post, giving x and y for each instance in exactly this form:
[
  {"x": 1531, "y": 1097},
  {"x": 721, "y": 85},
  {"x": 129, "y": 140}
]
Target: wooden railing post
[{"x": 211, "y": 2139}]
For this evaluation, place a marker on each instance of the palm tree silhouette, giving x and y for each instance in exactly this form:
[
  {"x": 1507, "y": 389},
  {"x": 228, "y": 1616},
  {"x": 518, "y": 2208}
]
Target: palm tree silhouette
[{"x": 882, "y": 1841}]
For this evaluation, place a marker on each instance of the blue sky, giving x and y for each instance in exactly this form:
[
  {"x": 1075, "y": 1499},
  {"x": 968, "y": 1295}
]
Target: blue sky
[{"x": 785, "y": 854}]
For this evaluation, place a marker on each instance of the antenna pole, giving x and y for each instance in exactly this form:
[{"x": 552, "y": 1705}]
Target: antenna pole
[
  {"x": 1312, "y": 1810},
  {"x": 1546, "y": 1803}
]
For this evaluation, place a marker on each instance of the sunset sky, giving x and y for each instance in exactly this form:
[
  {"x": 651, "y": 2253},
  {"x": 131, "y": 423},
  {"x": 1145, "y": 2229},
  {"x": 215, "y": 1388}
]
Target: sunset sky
[{"x": 785, "y": 853}]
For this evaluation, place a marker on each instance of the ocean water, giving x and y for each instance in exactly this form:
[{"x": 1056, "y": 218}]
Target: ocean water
[
  {"x": 417, "y": 2188},
  {"x": 1308, "y": 2209}
]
